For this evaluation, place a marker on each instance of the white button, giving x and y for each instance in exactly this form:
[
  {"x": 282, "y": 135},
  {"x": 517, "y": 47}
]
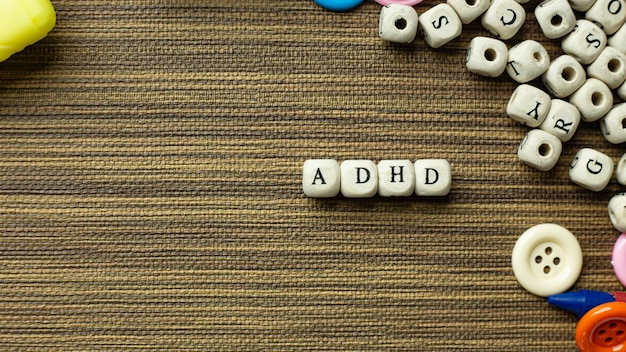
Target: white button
[{"x": 547, "y": 259}]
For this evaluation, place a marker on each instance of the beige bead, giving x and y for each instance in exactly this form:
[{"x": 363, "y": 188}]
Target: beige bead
[
  {"x": 555, "y": 17},
  {"x": 486, "y": 56},
  {"x": 621, "y": 91},
  {"x": 585, "y": 42},
  {"x": 562, "y": 121},
  {"x": 609, "y": 67},
  {"x": 359, "y": 178},
  {"x": 591, "y": 169},
  {"x": 593, "y": 99},
  {"x": 321, "y": 178},
  {"x": 528, "y": 105},
  {"x": 613, "y": 124},
  {"x": 469, "y": 10},
  {"x": 433, "y": 177},
  {"x": 397, "y": 23},
  {"x": 540, "y": 149},
  {"x": 608, "y": 14},
  {"x": 618, "y": 40},
  {"x": 620, "y": 170},
  {"x": 439, "y": 25},
  {"x": 504, "y": 18},
  {"x": 581, "y": 5},
  {"x": 396, "y": 178},
  {"x": 617, "y": 212},
  {"x": 564, "y": 76},
  {"x": 527, "y": 60}
]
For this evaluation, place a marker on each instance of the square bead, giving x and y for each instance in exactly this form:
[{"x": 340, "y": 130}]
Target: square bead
[
  {"x": 359, "y": 178},
  {"x": 433, "y": 177},
  {"x": 591, "y": 169},
  {"x": 593, "y": 99},
  {"x": 618, "y": 40},
  {"x": 620, "y": 170},
  {"x": 609, "y": 67},
  {"x": 486, "y": 56},
  {"x": 621, "y": 91},
  {"x": 613, "y": 124},
  {"x": 608, "y": 14},
  {"x": 527, "y": 61},
  {"x": 585, "y": 42},
  {"x": 564, "y": 76},
  {"x": 396, "y": 178},
  {"x": 562, "y": 121},
  {"x": 504, "y": 18},
  {"x": 398, "y": 23},
  {"x": 321, "y": 178},
  {"x": 617, "y": 212},
  {"x": 439, "y": 25},
  {"x": 581, "y": 5},
  {"x": 540, "y": 150},
  {"x": 469, "y": 10},
  {"x": 555, "y": 17},
  {"x": 528, "y": 105}
]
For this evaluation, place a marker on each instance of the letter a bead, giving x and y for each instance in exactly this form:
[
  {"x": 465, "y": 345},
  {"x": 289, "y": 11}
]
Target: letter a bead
[
  {"x": 593, "y": 99},
  {"x": 585, "y": 42},
  {"x": 433, "y": 177},
  {"x": 486, "y": 56},
  {"x": 504, "y": 18},
  {"x": 562, "y": 121},
  {"x": 321, "y": 178},
  {"x": 613, "y": 124},
  {"x": 540, "y": 149},
  {"x": 527, "y": 61},
  {"x": 591, "y": 169},
  {"x": 564, "y": 76},
  {"x": 609, "y": 67},
  {"x": 609, "y": 14},
  {"x": 359, "y": 178},
  {"x": 555, "y": 17},
  {"x": 469, "y": 10},
  {"x": 398, "y": 23},
  {"x": 528, "y": 105},
  {"x": 439, "y": 25},
  {"x": 396, "y": 178}
]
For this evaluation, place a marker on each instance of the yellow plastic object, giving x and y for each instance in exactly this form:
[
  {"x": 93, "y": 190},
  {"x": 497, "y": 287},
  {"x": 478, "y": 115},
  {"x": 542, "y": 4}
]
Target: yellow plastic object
[{"x": 22, "y": 23}]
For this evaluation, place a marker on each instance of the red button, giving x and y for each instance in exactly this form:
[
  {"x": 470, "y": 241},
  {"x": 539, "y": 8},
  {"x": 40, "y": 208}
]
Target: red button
[{"x": 603, "y": 329}]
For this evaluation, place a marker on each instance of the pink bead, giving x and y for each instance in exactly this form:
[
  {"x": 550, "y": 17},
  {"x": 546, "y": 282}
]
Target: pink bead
[{"x": 619, "y": 258}]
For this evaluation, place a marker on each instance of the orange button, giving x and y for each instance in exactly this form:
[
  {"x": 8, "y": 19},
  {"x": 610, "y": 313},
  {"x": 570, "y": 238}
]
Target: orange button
[{"x": 603, "y": 329}]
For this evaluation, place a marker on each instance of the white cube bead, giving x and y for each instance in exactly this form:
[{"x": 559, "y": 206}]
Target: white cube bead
[
  {"x": 469, "y": 10},
  {"x": 618, "y": 40},
  {"x": 398, "y": 23},
  {"x": 540, "y": 149},
  {"x": 581, "y": 5},
  {"x": 608, "y": 14},
  {"x": 613, "y": 124},
  {"x": 620, "y": 170},
  {"x": 593, "y": 99},
  {"x": 621, "y": 91},
  {"x": 585, "y": 42},
  {"x": 564, "y": 76},
  {"x": 528, "y": 105},
  {"x": 486, "y": 56},
  {"x": 396, "y": 178},
  {"x": 433, "y": 177},
  {"x": 617, "y": 212},
  {"x": 321, "y": 178},
  {"x": 609, "y": 67},
  {"x": 527, "y": 61},
  {"x": 562, "y": 121},
  {"x": 591, "y": 169},
  {"x": 504, "y": 18},
  {"x": 439, "y": 25},
  {"x": 359, "y": 178},
  {"x": 555, "y": 17}
]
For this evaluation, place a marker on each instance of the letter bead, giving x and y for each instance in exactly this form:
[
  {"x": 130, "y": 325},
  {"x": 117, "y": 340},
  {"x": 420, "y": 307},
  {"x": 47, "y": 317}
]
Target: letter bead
[
  {"x": 564, "y": 76},
  {"x": 321, "y": 178},
  {"x": 504, "y": 18},
  {"x": 618, "y": 40},
  {"x": 396, "y": 178},
  {"x": 620, "y": 170},
  {"x": 439, "y": 25},
  {"x": 555, "y": 17},
  {"x": 562, "y": 121},
  {"x": 591, "y": 169},
  {"x": 609, "y": 67},
  {"x": 608, "y": 14},
  {"x": 621, "y": 91},
  {"x": 585, "y": 42},
  {"x": 359, "y": 178},
  {"x": 398, "y": 23},
  {"x": 593, "y": 99},
  {"x": 581, "y": 5},
  {"x": 540, "y": 150},
  {"x": 433, "y": 177},
  {"x": 486, "y": 56},
  {"x": 617, "y": 212},
  {"x": 613, "y": 124},
  {"x": 469, "y": 10},
  {"x": 528, "y": 105},
  {"x": 527, "y": 61}
]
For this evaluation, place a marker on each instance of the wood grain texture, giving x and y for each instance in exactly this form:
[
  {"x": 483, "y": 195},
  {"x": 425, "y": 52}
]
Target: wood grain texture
[{"x": 150, "y": 187}]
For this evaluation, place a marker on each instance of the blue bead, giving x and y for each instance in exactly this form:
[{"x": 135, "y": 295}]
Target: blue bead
[{"x": 338, "y": 5}]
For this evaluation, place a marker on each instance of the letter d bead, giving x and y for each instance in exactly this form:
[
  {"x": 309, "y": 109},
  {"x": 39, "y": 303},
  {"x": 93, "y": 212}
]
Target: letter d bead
[{"x": 359, "y": 178}]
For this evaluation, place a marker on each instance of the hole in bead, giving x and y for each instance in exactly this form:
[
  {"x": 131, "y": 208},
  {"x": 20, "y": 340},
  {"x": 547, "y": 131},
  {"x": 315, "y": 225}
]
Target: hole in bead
[
  {"x": 537, "y": 56},
  {"x": 400, "y": 23},
  {"x": 597, "y": 98},
  {"x": 538, "y": 259},
  {"x": 556, "y": 20},
  {"x": 614, "y": 65},
  {"x": 556, "y": 261},
  {"x": 568, "y": 74},
  {"x": 490, "y": 54},
  {"x": 548, "y": 250},
  {"x": 546, "y": 270},
  {"x": 545, "y": 150},
  {"x": 471, "y": 2},
  {"x": 624, "y": 127}
]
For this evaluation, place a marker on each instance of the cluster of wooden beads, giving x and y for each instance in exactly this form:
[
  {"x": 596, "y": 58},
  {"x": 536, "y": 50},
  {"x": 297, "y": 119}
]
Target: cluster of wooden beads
[{"x": 325, "y": 178}]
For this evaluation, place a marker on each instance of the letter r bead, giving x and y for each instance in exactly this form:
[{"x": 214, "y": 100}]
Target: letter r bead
[{"x": 433, "y": 177}]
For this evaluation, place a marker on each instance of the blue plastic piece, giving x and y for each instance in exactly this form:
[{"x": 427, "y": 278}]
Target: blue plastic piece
[
  {"x": 580, "y": 302},
  {"x": 338, "y": 5}
]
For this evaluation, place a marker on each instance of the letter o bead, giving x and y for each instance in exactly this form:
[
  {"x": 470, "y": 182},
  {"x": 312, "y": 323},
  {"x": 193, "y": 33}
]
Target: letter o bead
[
  {"x": 564, "y": 76},
  {"x": 591, "y": 169},
  {"x": 321, "y": 178},
  {"x": 527, "y": 61},
  {"x": 486, "y": 56},
  {"x": 359, "y": 178},
  {"x": 617, "y": 212},
  {"x": 504, "y": 18},
  {"x": 613, "y": 124},
  {"x": 555, "y": 17},
  {"x": 540, "y": 150},
  {"x": 609, "y": 14},
  {"x": 439, "y": 25},
  {"x": 397, "y": 23}
]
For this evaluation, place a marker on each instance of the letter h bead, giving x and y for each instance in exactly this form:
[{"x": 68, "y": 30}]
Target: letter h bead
[{"x": 396, "y": 178}]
